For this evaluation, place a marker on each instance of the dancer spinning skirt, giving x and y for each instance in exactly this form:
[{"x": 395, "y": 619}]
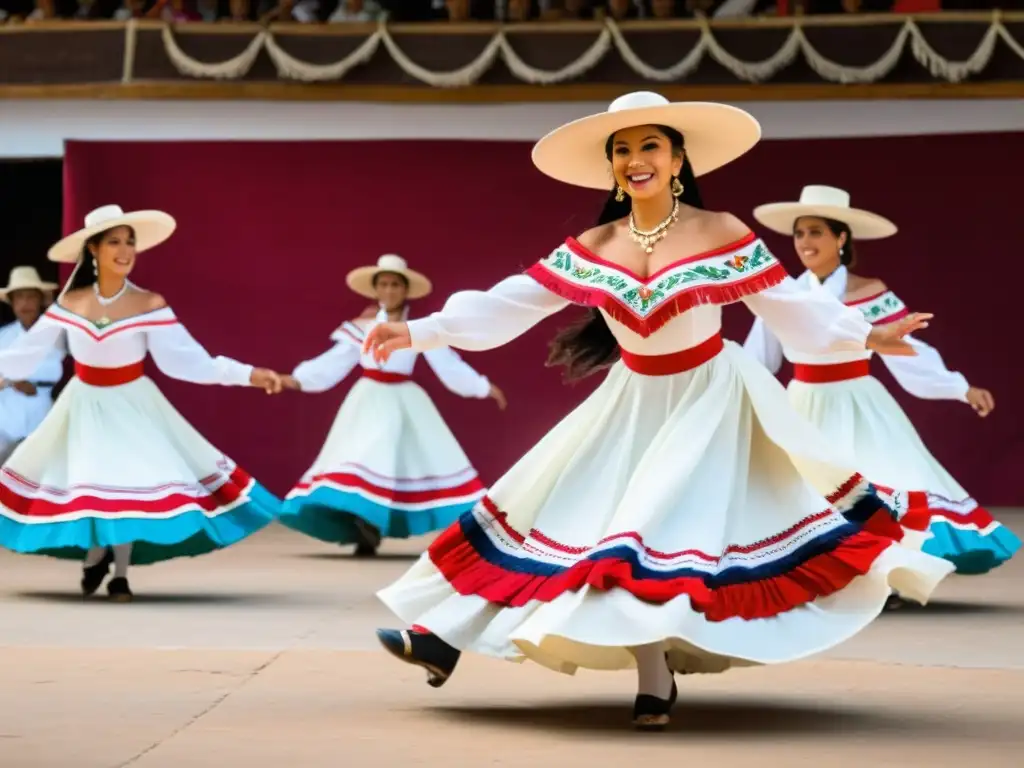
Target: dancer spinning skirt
[
  {"x": 667, "y": 523},
  {"x": 837, "y": 393},
  {"x": 390, "y": 466},
  {"x": 114, "y": 474}
]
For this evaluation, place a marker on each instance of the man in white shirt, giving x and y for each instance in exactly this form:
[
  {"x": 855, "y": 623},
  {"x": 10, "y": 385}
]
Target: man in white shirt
[{"x": 24, "y": 404}]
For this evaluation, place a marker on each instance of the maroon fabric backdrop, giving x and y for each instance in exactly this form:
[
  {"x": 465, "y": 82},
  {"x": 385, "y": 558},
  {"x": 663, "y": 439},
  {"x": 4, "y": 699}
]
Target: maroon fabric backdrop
[{"x": 267, "y": 232}]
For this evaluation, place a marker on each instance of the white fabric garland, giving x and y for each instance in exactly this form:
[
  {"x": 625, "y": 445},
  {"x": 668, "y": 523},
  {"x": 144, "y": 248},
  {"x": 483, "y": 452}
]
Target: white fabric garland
[
  {"x": 232, "y": 69},
  {"x": 291, "y": 68}
]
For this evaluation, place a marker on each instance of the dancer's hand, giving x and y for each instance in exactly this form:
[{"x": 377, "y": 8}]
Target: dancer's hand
[
  {"x": 499, "y": 397},
  {"x": 25, "y": 387},
  {"x": 290, "y": 382},
  {"x": 385, "y": 338},
  {"x": 888, "y": 339},
  {"x": 981, "y": 401},
  {"x": 267, "y": 380}
]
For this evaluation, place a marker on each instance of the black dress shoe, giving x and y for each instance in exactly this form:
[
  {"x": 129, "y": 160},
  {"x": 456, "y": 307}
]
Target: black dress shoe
[
  {"x": 651, "y": 713},
  {"x": 367, "y": 538},
  {"x": 894, "y": 602},
  {"x": 93, "y": 575},
  {"x": 119, "y": 590},
  {"x": 423, "y": 650}
]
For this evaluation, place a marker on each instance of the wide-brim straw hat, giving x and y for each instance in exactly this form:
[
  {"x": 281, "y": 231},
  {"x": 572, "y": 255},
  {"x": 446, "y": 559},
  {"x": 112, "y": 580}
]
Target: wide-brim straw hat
[
  {"x": 361, "y": 279},
  {"x": 714, "y": 135},
  {"x": 25, "y": 279},
  {"x": 151, "y": 228},
  {"x": 827, "y": 203}
]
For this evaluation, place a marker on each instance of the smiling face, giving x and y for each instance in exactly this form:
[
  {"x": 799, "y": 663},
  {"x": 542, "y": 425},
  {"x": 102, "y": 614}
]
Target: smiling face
[
  {"x": 392, "y": 290},
  {"x": 817, "y": 245},
  {"x": 114, "y": 251},
  {"x": 644, "y": 161}
]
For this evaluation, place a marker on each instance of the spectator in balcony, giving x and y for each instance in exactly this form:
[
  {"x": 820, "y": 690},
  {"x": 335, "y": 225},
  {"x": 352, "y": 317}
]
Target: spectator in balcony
[
  {"x": 732, "y": 9},
  {"x": 566, "y": 10},
  {"x": 176, "y": 11},
  {"x": 458, "y": 10},
  {"x": 517, "y": 11},
  {"x": 693, "y": 8},
  {"x": 470, "y": 10},
  {"x": 666, "y": 9},
  {"x": 620, "y": 10},
  {"x": 15, "y": 11},
  {"x": 355, "y": 11},
  {"x": 298, "y": 11},
  {"x": 130, "y": 9}
]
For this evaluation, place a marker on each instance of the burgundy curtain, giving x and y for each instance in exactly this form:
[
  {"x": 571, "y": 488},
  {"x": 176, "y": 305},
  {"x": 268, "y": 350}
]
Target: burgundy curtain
[{"x": 267, "y": 231}]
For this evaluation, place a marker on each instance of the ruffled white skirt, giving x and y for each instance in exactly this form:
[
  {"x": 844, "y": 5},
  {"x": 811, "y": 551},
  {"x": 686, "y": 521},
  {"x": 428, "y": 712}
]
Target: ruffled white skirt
[{"x": 696, "y": 509}]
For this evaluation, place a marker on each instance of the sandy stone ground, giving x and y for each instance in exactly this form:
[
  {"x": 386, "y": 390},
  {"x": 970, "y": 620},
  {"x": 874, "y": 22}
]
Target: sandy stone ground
[{"x": 264, "y": 656}]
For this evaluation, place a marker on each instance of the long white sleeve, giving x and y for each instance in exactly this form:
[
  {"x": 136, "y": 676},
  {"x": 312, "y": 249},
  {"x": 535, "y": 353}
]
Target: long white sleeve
[
  {"x": 456, "y": 374},
  {"x": 325, "y": 371},
  {"x": 926, "y": 375},
  {"x": 814, "y": 322},
  {"x": 20, "y": 360},
  {"x": 764, "y": 345},
  {"x": 477, "y": 320},
  {"x": 180, "y": 356}
]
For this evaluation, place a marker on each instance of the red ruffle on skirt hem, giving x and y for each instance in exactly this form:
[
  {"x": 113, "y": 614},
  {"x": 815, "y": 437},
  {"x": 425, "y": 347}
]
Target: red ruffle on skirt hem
[{"x": 823, "y": 574}]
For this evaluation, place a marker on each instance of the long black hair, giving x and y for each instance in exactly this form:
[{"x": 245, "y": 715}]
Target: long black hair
[
  {"x": 588, "y": 346},
  {"x": 86, "y": 273}
]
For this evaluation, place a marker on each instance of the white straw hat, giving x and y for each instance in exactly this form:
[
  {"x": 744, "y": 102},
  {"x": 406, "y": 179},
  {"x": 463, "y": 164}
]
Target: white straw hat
[
  {"x": 360, "y": 279},
  {"x": 151, "y": 228},
  {"x": 24, "y": 279},
  {"x": 827, "y": 203},
  {"x": 715, "y": 134}
]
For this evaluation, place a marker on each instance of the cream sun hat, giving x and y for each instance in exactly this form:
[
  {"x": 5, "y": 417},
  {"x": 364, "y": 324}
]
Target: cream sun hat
[
  {"x": 827, "y": 203},
  {"x": 151, "y": 228},
  {"x": 24, "y": 279},
  {"x": 360, "y": 279},
  {"x": 715, "y": 134}
]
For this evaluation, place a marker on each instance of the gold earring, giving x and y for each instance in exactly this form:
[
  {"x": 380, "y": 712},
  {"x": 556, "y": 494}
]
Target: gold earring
[
  {"x": 620, "y": 194},
  {"x": 677, "y": 186}
]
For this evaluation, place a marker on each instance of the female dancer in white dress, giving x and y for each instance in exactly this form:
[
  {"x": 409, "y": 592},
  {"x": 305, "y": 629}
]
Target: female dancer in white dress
[
  {"x": 837, "y": 393},
  {"x": 390, "y": 466},
  {"x": 114, "y": 474},
  {"x": 683, "y": 517}
]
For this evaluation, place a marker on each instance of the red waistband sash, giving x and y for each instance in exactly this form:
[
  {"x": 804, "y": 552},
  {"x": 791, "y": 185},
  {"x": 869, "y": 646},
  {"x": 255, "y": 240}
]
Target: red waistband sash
[
  {"x": 109, "y": 377},
  {"x": 827, "y": 373},
  {"x": 385, "y": 377},
  {"x": 675, "y": 362}
]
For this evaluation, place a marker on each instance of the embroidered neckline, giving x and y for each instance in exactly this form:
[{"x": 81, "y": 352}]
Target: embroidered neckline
[
  {"x": 880, "y": 308},
  {"x": 644, "y": 305},
  {"x": 65, "y": 316}
]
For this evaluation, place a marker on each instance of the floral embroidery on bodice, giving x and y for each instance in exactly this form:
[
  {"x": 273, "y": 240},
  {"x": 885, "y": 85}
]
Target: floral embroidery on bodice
[{"x": 717, "y": 277}]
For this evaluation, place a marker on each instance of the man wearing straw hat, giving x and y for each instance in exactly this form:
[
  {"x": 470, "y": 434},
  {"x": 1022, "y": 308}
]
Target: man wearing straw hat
[{"x": 24, "y": 404}]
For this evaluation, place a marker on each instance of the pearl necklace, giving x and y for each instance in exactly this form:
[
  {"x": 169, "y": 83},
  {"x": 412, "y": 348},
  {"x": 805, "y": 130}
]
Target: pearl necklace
[
  {"x": 648, "y": 239},
  {"x": 106, "y": 301}
]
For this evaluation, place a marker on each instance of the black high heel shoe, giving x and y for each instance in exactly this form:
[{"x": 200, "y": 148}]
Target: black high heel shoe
[
  {"x": 422, "y": 649},
  {"x": 651, "y": 713},
  {"x": 93, "y": 575},
  {"x": 894, "y": 602},
  {"x": 368, "y": 541}
]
